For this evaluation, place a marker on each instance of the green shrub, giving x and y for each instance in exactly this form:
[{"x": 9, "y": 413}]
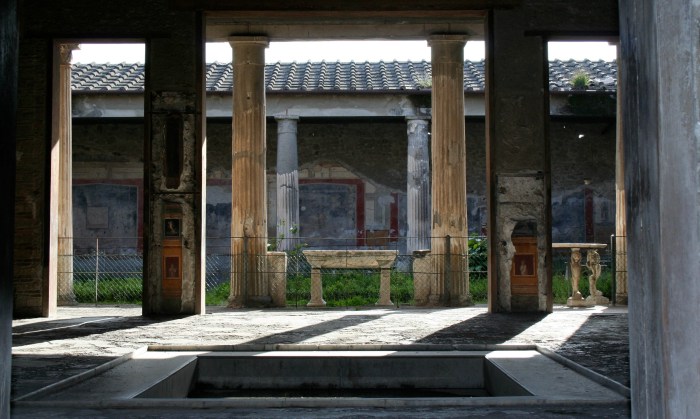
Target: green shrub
[
  {"x": 478, "y": 251},
  {"x": 218, "y": 296},
  {"x": 478, "y": 288}
]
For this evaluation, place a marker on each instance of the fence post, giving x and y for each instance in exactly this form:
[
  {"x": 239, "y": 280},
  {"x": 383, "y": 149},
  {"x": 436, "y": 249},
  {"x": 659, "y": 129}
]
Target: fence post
[
  {"x": 448, "y": 269},
  {"x": 97, "y": 265},
  {"x": 613, "y": 266}
]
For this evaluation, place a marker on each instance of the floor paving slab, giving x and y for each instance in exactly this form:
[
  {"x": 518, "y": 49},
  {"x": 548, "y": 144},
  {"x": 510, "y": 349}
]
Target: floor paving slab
[{"x": 79, "y": 338}]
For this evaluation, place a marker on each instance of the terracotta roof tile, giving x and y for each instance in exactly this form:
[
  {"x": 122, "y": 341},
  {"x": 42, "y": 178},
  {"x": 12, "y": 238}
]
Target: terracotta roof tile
[{"x": 337, "y": 76}]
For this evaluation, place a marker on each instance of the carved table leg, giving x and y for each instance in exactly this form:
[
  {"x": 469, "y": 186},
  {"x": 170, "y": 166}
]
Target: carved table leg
[
  {"x": 316, "y": 289},
  {"x": 385, "y": 288}
]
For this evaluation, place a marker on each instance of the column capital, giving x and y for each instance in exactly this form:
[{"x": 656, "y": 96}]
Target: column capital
[
  {"x": 448, "y": 37},
  {"x": 283, "y": 117},
  {"x": 66, "y": 52},
  {"x": 256, "y": 39},
  {"x": 410, "y": 118}
]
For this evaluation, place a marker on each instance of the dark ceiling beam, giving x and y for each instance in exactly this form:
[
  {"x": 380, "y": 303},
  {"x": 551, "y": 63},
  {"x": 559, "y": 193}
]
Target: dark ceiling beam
[{"x": 366, "y": 6}]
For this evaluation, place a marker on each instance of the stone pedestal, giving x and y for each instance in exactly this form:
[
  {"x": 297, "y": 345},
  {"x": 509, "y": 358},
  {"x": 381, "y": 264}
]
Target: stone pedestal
[
  {"x": 418, "y": 185},
  {"x": 249, "y": 204},
  {"x": 287, "y": 183},
  {"x": 449, "y": 181},
  {"x": 65, "y": 293},
  {"x": 277, "y": 277}
]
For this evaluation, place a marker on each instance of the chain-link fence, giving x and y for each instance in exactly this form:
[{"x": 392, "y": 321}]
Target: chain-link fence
[
  {"x": 100, "y": 270},
  {"x": 110, "y": 270},
  {"x": 618, "y": 261}
]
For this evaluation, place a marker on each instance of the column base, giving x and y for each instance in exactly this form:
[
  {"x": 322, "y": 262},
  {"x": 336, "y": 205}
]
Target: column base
[
  {"x": 316, "y": 304},
  {"x": 236, "y": 302},
  {"x": 621, "y": 299},
  {"x": 462, "y": 301},
  {"x": 577, "y": 300},
  {"x": 259, "y": 301},
  {"x": 67, "y": 300},
  {"x": 597, "y": 300}
]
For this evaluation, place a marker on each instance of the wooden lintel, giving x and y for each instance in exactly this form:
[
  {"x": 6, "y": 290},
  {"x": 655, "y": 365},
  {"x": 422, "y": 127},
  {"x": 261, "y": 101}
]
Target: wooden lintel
[{"x": 366, "y": 6}]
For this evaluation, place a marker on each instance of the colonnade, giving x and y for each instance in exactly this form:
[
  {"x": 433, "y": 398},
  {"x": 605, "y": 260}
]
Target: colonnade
[{"x": 448, "y": 154}]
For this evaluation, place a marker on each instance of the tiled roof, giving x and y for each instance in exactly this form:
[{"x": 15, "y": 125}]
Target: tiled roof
[{"x": 337, "y": 76}]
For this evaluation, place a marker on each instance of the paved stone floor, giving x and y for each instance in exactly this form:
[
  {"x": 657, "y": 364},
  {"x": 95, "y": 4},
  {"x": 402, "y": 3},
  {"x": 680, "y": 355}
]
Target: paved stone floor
[{"x": 79, "y": 338}]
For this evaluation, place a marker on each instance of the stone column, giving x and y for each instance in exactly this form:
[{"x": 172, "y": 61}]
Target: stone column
[
  {"x": 660, "y": 46},
  {"x": 620, "y": 203},
  {"x": 248, "y": 204},
  {"x": 175, "y": 171},
  {"x": 518, "y": 156},
  {"x": 449, "y": 181},
  {"x": 287, "y": 183},
  {"x": 418, "y": 184},
  {"x": 9, "y": 43},
  {"x": 65, "y": 292}
]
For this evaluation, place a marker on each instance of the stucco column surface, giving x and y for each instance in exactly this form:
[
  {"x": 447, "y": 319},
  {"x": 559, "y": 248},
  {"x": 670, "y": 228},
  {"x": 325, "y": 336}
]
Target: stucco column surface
[
  {"x": 65, "y": 188},
  {"x": 287, "y": 183},
  {"x": 620, "y": 203},
  {"x": 418, "y": 184},
  {"x": 449, "y": 181},
  {"x": 248, "y": 204}
]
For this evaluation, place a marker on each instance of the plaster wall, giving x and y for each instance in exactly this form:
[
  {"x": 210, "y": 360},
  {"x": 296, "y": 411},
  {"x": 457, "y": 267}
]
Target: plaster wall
[{"x": 109, "y": 152}]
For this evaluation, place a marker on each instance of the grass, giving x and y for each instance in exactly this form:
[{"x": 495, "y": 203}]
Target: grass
[
  {"x": 350, "y": 288},
  {"x": 340, "y": 289},
  {"x": 109, "y": 290}
]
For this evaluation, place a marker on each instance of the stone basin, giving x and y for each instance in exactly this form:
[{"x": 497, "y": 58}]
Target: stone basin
[{"x": 350, "y": 259}]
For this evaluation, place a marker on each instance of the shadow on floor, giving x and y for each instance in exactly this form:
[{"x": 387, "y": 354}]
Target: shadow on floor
[
  {"x": 303, "y": 333},
  {"x": 601, "y": 344},
  {"x": 485, "y": 328},
  {"x": 77, "y": 327}
]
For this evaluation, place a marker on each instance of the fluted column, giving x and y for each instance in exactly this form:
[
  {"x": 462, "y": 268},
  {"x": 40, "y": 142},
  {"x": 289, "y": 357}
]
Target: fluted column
[
  {"x": 287, "y": 182},
  {"x": 248, "y": 204},
  {"x": 449, "y": 165},
  {"x": 620, "y": 203},
  {"x": 418, "y": 184},
  {"x": 65, "y": 170}
]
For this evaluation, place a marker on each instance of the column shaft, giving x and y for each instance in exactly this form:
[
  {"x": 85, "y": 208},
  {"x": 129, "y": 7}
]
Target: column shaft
[
  {"x": 418, "y": 185},
  {"x": 287, "y": 183},
  {"x": 65, "y": 186},
  {"x": 248, "y": 203},
  {"x": 175, "y": 172},
  {"x": 620, "y": 203},
  {"x": 449, "y": 160}
]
